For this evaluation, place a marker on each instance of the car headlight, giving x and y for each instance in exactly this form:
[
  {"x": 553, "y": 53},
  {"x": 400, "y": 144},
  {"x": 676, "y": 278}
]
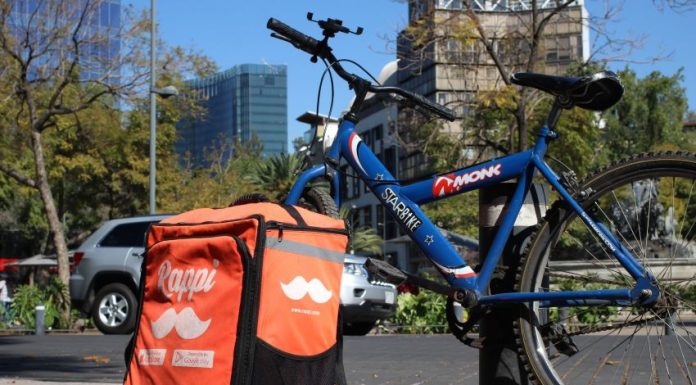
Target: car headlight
[{"x": 355, "y": 269}]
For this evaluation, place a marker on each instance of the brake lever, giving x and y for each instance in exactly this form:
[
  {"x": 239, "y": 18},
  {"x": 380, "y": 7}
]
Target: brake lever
[{"x": 283, "y": 38}]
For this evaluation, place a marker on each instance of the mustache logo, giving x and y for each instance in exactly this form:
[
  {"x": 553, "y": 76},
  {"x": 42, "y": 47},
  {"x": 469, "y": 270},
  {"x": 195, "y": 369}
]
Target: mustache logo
[
  {"x": 187, "y": 324},
  {"x": 299, "y": 287}
]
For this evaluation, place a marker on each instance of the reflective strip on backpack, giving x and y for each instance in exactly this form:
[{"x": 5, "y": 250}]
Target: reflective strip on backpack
[{"x": 304, "y": 249}]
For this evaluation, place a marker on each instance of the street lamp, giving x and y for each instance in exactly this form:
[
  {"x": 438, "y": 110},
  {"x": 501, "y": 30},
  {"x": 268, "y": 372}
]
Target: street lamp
[{"x": 163, "y": 92}]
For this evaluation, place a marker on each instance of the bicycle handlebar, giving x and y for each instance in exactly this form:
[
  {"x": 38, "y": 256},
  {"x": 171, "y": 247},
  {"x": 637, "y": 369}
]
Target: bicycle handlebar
[
  {"x": 418, "y": 100},
  {"x": 321, "y": 49},
  {"x": 295, "y": 37}
]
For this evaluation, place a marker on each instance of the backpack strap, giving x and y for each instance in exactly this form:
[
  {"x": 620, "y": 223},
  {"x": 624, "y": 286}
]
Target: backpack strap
[
  {"x": 340, "y": 370},
  {"x": 294, "y": 214}
]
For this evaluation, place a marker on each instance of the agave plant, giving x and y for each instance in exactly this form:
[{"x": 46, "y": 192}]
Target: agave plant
[
  {"x": 363, "y": 240},
  {"x": 275, "y": 176}
]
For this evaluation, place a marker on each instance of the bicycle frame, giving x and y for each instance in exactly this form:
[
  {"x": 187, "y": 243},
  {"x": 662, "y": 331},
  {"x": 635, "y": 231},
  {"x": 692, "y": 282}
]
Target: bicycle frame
[{"x": 403, "y": 204}]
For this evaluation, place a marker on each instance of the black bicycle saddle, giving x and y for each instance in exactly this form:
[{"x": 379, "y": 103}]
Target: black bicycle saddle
[{"x": 595, "y": 92}]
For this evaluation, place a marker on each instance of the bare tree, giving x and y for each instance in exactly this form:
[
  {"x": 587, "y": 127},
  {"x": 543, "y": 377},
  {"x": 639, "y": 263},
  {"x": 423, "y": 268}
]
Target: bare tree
[
  {"x": 470, "y": 42},
  {"x": 60, "y": 57}
]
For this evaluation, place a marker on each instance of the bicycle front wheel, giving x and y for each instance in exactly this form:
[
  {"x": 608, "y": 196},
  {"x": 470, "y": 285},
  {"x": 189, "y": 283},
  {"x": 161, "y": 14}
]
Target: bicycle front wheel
[{"x": 649, "y": 203}]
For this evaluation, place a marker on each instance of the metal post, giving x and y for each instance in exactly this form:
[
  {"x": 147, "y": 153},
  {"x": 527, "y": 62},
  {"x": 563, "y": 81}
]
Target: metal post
[
  {"x": 499, "y": 363},
  {"x": 669, "y": 324},
  {"x": 40, "y": 316},
  {"x": 153, "y": 109}
]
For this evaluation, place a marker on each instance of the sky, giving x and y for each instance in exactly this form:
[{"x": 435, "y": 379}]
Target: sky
[{"x": 231, "y": 32}]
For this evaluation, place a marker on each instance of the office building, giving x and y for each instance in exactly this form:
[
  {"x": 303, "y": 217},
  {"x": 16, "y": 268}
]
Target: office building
[
  {"x": 32, "y": 22},
  {"x": 453, "y": 74},
  {"x": 450, "y": 69},
  {"x": 245, "y": 101}
]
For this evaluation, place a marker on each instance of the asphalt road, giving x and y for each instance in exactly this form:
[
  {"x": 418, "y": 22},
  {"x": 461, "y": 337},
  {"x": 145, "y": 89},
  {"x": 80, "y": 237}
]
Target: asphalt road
[{"x": 371, "y": 360}]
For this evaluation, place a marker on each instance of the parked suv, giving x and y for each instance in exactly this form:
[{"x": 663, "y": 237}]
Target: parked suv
[
  {"x": 364, "y": 300},
  {"x": 105, "y": 280}
]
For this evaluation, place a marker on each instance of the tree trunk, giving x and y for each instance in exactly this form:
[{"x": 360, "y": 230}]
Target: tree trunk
[
  {"x": 521, "y": 119},
  {"x": 55, "y": 226}
]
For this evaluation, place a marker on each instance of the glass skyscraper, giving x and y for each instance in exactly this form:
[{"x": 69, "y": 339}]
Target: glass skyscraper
[
  {"x": 245, "y": 101},
  {"x": 35, "y": 23}
]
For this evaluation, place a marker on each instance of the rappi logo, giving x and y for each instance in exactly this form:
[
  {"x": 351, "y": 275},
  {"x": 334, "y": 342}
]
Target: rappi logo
[
  {"x": 182, "y": 284},
  {"x": 451, "y": 183},
  {"x": 180, "y": 281}
]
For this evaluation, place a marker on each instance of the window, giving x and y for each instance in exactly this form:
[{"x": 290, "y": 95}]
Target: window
[
  {"x": 558, "y": 49},
  {"x": 442, "y": 98},
  {"x": 389, "y": 159},
  {"x": 356, "y": 188},
  {"x": 379, "y": 134},
  {"x": 127, "y": 235},
  {"x": 449, "y": 4},
  {"x": 413, "y": 166},
  {"x": 366, "y": 216},
  {"x": 391, "y": 228},
  {"x": 380, "y": 220},
  {"x": 367, "y": 138}
]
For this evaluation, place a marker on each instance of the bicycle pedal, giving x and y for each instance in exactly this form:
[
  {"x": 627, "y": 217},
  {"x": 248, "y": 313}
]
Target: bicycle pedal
[{"x": 385, "y": 271}]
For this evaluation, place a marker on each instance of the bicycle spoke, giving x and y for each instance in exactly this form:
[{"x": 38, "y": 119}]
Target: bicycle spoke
[
  {"x": 691, "y": 190},
  {"x": 636, "y": 211},
  {"x": 623, "y": 213},
  {"x": 647, "y": 225},
  {"x": 680, "y": 366},
  {"x": 649, "y": 208},
  {"x": 664, "y": 358},
  {"x": 685, "y": 367},
  {"x": 672, "y": 253}
]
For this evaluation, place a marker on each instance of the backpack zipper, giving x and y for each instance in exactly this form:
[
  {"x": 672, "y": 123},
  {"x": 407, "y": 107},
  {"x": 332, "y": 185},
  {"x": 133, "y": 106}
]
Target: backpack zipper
[
  {"x": 248, "y": 317},
  {"x": 280, "y": 226}
]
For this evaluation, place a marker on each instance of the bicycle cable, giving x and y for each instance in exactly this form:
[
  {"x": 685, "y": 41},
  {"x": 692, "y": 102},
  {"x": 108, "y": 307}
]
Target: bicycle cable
[
  {"x": 377, "y": 82},
  {"x": 316, "y": 111}
]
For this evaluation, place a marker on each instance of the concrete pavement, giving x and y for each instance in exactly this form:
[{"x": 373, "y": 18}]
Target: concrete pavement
[{"x": 18, "y": 381}]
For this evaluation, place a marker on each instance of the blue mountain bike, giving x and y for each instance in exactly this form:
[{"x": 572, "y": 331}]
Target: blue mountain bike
[{"x": 605, "y": 291}]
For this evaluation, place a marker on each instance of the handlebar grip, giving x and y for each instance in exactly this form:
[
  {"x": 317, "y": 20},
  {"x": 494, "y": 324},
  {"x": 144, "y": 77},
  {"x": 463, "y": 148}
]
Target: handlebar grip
[
  {"x": 299, "y": 39},
  {"x": 433, "y": 107}
]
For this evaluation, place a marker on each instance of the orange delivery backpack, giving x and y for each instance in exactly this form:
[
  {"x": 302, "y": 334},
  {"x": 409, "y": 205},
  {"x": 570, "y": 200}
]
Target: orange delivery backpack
[{"x": 244, "y": 295}]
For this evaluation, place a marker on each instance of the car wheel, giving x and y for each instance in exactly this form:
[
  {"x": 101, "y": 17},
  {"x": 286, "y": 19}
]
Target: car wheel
[
  {"x": 357, "y": 328},
  {"x": 114, "y": 309}
]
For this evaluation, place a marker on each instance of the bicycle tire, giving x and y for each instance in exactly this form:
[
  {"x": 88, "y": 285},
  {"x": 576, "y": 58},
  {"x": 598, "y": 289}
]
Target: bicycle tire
[
  {"x": 318, "y": 200},
  {"x": 615, "y": 345}
]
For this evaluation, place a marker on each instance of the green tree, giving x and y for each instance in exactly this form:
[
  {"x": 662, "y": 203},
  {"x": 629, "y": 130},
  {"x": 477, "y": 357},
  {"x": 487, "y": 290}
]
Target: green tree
[
  {"x": 217, "y": 185},
  {"x": 275, "y": 175},
  {"x": 42, "y": 60},
  {"x": 363, "y": 240},
  {"x": 650, "y": 115}
]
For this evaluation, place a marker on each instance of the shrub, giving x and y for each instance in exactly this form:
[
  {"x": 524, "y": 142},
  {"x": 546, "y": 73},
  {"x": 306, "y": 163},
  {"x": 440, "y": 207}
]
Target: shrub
[
  {"x": 27, "y": 297},
  {"x": 421, "y": 313}
]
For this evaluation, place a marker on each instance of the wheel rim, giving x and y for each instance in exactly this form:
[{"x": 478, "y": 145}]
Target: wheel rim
[
  {"x": 113, "y": 310},
  {"x": 621, "y": 344}
]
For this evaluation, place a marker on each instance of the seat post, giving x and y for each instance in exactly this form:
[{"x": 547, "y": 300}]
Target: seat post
[{"x": 554, "y": 114}]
